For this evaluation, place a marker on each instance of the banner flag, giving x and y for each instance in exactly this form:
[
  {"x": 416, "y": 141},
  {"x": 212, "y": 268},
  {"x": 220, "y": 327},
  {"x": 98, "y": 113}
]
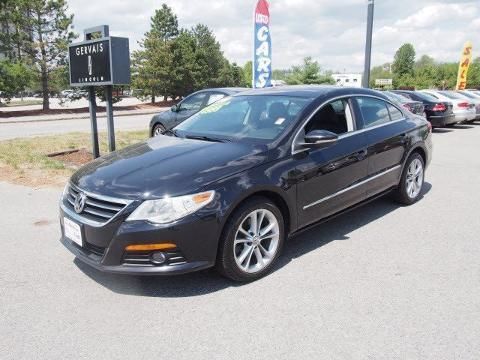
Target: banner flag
[
  {"x": 464, "y": 65},
  {"x": 262, "y": 52}
]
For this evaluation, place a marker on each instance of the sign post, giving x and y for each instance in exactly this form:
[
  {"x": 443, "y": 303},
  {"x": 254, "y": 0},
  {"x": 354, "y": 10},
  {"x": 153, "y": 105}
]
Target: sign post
[
  {"x": 368, "y": 45},
  {"x": 100, "y": 60}
]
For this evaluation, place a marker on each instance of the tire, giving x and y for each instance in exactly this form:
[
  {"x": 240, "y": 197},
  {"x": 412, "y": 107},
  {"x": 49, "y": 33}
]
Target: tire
[
  {"x": 236, "y": 244},
  {"x": 411, "y": 183},
  {"x": 158, "y": 129}
]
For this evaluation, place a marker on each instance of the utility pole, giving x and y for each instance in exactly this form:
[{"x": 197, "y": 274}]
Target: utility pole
[{"x": 368, "y": 45}]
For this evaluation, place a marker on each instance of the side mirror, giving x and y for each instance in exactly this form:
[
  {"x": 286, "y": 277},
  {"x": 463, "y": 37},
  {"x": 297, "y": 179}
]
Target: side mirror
[
  {"x": 175, "y": 108},
  {"x": 317, "y": 139}
]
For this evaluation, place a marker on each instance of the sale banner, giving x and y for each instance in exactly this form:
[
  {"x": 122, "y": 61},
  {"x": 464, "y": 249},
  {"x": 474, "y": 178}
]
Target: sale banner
[{"x": 464, "y": 66}]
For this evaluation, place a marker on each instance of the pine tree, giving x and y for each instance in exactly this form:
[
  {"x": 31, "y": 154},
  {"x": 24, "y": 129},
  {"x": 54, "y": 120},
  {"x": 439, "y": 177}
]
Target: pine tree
[{"x": 49, "y": 32}]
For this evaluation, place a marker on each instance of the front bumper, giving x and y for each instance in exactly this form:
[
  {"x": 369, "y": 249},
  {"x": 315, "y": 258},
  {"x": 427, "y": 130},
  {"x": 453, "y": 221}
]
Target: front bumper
[{"x": 103, "y": 247}]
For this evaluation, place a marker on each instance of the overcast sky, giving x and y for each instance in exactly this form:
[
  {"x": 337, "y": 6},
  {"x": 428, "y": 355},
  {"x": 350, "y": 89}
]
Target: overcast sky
[{"x": 331, "y": 31}]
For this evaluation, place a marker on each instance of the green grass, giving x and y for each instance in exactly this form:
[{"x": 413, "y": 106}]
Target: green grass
[{"x": 27, "y": 154}]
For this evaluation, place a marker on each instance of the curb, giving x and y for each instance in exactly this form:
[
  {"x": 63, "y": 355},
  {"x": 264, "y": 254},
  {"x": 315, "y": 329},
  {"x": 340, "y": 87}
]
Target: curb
[{"x": 86, "y": 116}]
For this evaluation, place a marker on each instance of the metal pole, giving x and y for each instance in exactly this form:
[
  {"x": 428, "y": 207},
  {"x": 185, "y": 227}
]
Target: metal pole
[
  {"x": 368, "y": 45},
  {"x": 93, "y": 117},
  {"x": 110, "y": 125}
]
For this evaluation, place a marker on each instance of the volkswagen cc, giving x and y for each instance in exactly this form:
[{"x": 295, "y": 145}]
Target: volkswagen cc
[{"x": 227, "y": 187}]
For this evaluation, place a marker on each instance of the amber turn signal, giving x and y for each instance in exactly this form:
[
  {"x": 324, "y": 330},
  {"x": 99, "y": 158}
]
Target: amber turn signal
[{"x": 151, "y": 247}]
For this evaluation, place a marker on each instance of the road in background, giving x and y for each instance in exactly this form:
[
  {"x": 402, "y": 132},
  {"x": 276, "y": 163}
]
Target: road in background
[
  {"x": 382, "y": 282},
  {"x": 29, "y": 129}
]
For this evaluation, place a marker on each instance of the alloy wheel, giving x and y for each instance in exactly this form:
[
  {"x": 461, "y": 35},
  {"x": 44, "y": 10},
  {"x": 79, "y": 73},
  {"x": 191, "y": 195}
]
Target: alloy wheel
[
  {"x": 159, "y": 130},
  {"x": 256, "y": 241},
  {"x": 414, "y": 179}
]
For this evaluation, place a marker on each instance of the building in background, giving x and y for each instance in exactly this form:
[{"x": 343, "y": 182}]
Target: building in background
[{"x": 352, "y": 80}]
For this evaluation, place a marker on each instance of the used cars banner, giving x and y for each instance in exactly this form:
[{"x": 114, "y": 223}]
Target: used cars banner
[
  {"x": 262, "y": 56},
  {"x": 464, "y": 65}
]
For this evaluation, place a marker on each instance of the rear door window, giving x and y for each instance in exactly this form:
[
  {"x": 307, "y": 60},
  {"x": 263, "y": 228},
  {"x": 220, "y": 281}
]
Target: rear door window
[{"x": 374, "y": 111}]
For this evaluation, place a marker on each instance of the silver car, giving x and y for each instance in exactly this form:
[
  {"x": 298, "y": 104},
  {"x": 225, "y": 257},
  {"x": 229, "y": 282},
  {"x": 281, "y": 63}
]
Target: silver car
[
  {"x": 475, "y": 98},
  {"x": 463, "y": 108}
]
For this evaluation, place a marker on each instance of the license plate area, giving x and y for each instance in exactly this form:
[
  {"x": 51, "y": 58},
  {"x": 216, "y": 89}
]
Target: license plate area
[{"x": 73, "y": 231}]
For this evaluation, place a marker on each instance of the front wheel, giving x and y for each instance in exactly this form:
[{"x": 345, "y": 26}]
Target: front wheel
[
  {"x": 158, "y": 129},
  {"x": 411, "y": 183},
  {"x": 252, "y": 240}
]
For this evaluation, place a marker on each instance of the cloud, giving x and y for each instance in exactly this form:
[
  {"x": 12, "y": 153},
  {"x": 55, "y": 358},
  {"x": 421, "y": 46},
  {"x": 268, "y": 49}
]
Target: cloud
[{"x": 332, "y": 32}]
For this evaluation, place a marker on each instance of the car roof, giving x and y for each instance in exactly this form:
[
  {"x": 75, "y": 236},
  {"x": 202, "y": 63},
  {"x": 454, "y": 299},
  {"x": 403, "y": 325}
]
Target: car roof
[
  {"x": 311, "y": 91},
  {"x": 226, "y": 90}
]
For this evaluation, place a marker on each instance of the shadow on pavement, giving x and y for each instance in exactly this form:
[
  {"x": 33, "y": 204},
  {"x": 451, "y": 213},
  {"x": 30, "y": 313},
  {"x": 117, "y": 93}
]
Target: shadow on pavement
[
  {"x": 463, "y": 126},
  {"x": 208, "y": 281},
  {"x": 441, "y": 131}
]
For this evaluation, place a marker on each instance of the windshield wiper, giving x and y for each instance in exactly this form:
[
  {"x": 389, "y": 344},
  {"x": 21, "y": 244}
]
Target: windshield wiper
[{"x": 204, "y": 138}]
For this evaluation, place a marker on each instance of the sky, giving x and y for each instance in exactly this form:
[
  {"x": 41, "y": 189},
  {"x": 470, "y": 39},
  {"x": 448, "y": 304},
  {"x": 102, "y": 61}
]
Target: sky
[{"x": 330, "y": 31}]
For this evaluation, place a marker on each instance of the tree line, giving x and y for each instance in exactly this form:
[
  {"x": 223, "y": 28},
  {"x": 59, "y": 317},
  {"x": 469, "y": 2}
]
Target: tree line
[{"x": 409, "y": 73}]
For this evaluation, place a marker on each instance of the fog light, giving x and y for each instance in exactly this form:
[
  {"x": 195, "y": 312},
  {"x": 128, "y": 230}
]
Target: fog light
[{"x": 158, "y": 258}]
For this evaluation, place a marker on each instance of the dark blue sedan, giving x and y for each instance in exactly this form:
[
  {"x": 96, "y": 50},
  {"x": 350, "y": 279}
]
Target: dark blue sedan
[{"x": 228, "y": 186}]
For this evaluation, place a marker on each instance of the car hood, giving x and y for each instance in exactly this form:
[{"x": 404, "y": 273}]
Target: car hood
[{"x": 166, "y": 166}]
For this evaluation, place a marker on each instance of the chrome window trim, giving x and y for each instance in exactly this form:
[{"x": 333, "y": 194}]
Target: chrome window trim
[
  {"x": 347, "y": 134},
  {"x": 343, "y": 191}
]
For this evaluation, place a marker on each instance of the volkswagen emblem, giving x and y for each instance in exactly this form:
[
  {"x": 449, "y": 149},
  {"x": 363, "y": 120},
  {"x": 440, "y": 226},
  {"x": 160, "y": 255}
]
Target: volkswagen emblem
[{"x": 80, "y": 201}]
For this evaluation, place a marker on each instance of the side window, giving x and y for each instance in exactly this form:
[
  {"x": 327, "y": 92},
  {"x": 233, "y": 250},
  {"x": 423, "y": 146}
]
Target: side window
[
  {"x": 395, "y": 114},
  {"x": 335, "y": 117},
  {"x": 194, "y": 102},
  {"x": 214, "y": 97},
  {"x": 374, "y": 111}
]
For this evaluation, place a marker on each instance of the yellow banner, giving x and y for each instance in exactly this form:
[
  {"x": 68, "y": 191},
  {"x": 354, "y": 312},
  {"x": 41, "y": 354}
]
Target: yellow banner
[{"x": 464, "y": 65}]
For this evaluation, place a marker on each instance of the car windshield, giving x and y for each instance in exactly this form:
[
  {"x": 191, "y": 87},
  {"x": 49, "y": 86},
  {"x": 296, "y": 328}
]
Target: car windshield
[
  {"x": 451, "y": 95},
  {"x": 426, "y": 97},
  {"x": 396, "y": 97},
  {"x": 260, "y": 118}
]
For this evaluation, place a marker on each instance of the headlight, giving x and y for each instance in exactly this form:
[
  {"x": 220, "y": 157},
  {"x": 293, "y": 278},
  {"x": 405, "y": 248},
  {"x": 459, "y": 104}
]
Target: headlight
[{"x": 167, "y": 210}]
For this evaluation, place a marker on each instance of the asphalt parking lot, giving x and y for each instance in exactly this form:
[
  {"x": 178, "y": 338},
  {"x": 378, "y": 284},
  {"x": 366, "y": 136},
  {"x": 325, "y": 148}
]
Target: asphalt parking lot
[{"x": 382, "y": 282}]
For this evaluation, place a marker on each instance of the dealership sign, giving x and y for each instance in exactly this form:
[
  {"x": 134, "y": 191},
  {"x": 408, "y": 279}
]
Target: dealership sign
[
  {"x": 262, "y": 57},
  {"x": 100, "y": 62},
  {"x": 464, "y": 66}
]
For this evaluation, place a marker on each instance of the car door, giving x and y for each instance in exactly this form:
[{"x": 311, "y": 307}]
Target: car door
[
  {"x": 329, "y": 179},
  {"x": 191, "y": 105},
  {"x": 386, "y": 128}
]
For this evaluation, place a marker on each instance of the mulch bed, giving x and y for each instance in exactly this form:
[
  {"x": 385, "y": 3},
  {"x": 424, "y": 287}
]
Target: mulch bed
[
  {"x": 146, "y": 106},
  {"x": 73, "y": 158}
]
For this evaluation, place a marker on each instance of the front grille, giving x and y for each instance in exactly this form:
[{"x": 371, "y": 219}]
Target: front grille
[
  {"x": 143, "y": 259},
  {"x": 97, "y": 208}
]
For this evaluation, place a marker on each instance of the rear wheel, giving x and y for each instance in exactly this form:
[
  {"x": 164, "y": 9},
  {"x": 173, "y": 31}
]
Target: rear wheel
[
  {"x": 252, "y": 241},
  {"x": 411, "y": 183},
  {"x": 158, "y": 129}
]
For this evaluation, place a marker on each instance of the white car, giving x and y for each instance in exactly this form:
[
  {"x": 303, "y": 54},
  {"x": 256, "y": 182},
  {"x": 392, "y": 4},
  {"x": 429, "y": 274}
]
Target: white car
[
  {"x": 475, "y": 97},
  {"x": 463, "y": 108}
]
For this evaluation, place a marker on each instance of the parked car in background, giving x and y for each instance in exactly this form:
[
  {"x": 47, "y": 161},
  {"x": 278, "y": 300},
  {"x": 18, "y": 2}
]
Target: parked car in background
[
  {"x": 229, "y": 185},
  {"x": 474, "y": 98},
  {"x": 413, "y": 106},
  {"x": 439, "y": 113},
  {"x": 187, "y": 107},
  {"x": 463, "y": 108}
]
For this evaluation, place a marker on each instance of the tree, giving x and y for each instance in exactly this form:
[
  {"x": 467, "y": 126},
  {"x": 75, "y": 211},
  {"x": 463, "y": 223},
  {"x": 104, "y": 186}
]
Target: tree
[
  {"x": 48, "y": 26},
  {"x": 404, "y": 61},
  {"x": 308, "y": 73},
  {"x": 248, "y": 73},
  {"x": 153, "y": 63},
  {"x": 15, "y": 77}
]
